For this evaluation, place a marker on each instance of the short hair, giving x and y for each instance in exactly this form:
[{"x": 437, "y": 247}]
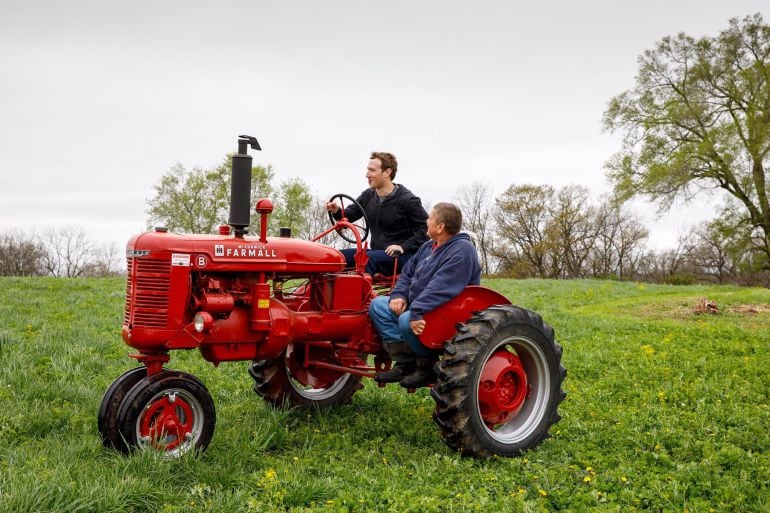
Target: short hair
[
  {"x": 387, "y": 160},
  {"x": 449, "y": 214}
]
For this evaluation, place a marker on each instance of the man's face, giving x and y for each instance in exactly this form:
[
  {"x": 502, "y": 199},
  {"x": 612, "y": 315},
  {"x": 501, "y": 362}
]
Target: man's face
[
  {"x": 434, "y": 227},
  {"x": 376, "y": 177}
]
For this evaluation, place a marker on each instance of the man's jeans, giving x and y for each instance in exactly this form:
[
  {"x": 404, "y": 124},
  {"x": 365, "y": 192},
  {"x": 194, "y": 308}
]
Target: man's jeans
[
  {"x": 394, "y": 328},
  {"x": 379, "y": 261}
]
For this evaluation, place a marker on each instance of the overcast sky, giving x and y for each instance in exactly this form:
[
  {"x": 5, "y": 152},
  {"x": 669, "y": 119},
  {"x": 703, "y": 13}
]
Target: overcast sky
[{"x": 98, "y": 99}]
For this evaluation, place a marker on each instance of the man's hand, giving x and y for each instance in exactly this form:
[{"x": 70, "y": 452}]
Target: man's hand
[
  {"x": 394, "y": 250},
  {"x": 398, "y": 305},
  {"x": 332, "y": 207},
  {"x": 417, "y": 326}
]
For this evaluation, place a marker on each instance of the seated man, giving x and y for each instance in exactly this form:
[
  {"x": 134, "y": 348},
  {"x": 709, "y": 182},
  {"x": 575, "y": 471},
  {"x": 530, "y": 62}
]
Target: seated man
[
  {"x": 396, "y": 217},
  {"x": 438, "y": 272}
]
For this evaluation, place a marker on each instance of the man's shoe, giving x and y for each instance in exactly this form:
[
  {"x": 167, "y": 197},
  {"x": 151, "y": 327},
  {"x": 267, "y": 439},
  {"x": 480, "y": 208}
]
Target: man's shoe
[
  {"x": 423, "y": 374},
  {"x": 395, "y": 374},
  {"x": 403, "y": 362}
]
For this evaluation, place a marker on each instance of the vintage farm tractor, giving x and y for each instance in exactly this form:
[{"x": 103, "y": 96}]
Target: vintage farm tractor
[{"x": 292, "y": 309}]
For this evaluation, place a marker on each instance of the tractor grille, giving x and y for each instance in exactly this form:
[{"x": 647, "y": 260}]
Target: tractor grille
[{"x": 151, "y": 286}]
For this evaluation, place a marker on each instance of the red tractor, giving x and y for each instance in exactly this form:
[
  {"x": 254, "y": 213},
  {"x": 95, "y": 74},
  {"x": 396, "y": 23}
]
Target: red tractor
[{"x": 292, "y": 309}]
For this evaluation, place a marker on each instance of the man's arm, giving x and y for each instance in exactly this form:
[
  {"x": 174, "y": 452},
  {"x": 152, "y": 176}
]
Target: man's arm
[
  {"x": 405, "y": 279},
  {"x": 447, "y": 281}
]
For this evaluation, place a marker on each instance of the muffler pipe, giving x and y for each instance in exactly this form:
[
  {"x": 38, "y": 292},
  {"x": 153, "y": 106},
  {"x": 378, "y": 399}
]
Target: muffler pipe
[{"x": 240, "y": 186}]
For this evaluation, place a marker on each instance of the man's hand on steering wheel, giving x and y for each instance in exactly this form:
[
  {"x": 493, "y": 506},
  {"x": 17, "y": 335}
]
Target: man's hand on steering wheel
[{"x": 362, "y": 224}]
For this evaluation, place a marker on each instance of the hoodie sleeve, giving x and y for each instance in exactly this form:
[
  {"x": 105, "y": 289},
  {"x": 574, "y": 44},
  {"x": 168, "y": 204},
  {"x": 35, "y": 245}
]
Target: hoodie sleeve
[
  {"x": 405, "y": 279},
  {"x": 453, "y": 274}
]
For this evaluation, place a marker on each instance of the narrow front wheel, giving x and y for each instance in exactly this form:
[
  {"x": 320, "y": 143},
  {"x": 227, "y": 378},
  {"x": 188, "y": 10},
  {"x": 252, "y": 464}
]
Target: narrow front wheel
[
  {"x": 107, "y": 417},
  {"x": 169, "y": 412}
]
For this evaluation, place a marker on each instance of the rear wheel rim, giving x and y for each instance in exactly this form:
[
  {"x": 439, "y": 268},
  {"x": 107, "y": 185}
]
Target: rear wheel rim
[
  {"x": 521, "y": 423},
  {"x": 309, "y": 391}
]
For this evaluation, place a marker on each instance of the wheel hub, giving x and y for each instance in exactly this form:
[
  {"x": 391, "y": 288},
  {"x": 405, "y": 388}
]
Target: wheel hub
[
  {"x": 502, "y": 388},
  {"x": 167, "y": 422}
]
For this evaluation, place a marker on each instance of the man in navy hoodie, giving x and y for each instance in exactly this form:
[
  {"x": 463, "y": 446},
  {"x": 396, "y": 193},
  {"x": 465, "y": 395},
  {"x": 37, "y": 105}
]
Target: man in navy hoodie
[
  {"x": 438, "y": 272},
  {"x": 396, "y": 217}
]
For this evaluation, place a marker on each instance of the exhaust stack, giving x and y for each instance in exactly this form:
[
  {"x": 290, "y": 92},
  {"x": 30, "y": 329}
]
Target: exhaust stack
[{"x": 240, "y": 186}]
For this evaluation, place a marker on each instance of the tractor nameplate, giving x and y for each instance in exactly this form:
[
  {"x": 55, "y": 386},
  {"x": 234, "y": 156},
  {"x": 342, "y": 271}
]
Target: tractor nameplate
[{"x": 137, "y": 253}]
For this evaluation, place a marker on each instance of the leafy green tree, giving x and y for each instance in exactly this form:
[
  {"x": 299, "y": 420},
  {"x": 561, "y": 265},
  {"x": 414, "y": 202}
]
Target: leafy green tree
[
  {"x": 698, "y": 117},
  {"x": 293, "y": 208},
  {"x": 198, "y": 201}
]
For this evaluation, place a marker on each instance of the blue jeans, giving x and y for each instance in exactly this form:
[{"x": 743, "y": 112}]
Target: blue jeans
[
  {"x": 379, "y": 261},
  {"x": 394, "y": 328}
]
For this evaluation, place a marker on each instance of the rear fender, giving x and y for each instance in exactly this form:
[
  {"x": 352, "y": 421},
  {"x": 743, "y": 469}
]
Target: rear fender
[{"x": 440, "y": 323}]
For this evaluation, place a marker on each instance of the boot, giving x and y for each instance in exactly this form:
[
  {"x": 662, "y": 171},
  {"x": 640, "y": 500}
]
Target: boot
[
  {"x": 403, "y": 363},
  {"x": 423, "y": 373}
]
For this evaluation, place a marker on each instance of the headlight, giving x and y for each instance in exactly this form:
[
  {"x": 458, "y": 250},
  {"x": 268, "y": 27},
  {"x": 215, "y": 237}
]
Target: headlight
[{"x": 203, "y": 322}]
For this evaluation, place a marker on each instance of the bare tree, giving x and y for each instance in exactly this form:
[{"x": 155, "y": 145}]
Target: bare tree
[
  {"x": 476, "y": 205},
  {"x": 106, "y": 261},
  {"x": 20, "y": 254},
  {"x": 673, "y": 265},
  {"x": 620, "y": 241},
  {"x": 69, "y": 253},
  {"x": 522, "y": 215},
  {"x": 572, "y": 231}
]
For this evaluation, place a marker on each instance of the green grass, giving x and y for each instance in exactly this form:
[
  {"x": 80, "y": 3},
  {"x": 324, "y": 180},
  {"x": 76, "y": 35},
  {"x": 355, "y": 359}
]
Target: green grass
[{"x": 667, "y": 410}]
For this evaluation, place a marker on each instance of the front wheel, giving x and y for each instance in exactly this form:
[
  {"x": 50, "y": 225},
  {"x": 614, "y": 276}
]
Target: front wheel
[
  {"x": 499, "y": 384},
  {"x": 291, "y": 378},
  {"x": 170, "y": 412},
  {"x": 107, "y": 417}
]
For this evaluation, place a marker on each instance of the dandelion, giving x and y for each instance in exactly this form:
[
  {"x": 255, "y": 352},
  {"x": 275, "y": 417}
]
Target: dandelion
[
  {"x": 648, "y": 349},
  {"x": 270, "y": 475},
  {"x": 587, "y": 479},
  {"x": 542, "y": 492},
  {"x": 623, "y": 479}
]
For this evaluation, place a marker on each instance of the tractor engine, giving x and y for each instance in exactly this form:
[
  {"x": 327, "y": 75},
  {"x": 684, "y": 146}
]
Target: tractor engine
[{"x": 239, "y": 298}]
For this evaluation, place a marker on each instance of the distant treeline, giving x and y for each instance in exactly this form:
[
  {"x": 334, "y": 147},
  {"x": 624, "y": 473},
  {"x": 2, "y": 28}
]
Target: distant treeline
[{"x": 64, "y": 252}]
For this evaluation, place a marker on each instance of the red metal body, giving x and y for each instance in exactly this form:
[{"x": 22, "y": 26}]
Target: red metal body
[{"x": 257, "y": 296}]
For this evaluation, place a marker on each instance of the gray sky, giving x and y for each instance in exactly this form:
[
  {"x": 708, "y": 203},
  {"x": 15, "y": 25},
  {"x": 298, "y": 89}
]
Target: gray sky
[{"x": 98, "y": 98}]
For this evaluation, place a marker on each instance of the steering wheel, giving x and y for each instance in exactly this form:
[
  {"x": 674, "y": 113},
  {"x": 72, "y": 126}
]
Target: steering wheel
[{"x": 362, "y": 225}]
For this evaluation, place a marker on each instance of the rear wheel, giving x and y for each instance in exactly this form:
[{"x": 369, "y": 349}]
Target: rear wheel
[
  {"x": 287, "y": 379},
  {"x": 499, "y": 383},
  {"x": 108, "y": 409},
  {"x": 169, "y": 412}
]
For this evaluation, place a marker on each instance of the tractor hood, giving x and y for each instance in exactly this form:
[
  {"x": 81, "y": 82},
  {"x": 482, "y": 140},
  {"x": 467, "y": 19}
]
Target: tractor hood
[{"x": 225, "y": 253}]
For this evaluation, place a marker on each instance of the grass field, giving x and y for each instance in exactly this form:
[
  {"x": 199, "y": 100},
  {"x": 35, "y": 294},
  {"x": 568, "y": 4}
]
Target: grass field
[{"x": 667, "y": 410}]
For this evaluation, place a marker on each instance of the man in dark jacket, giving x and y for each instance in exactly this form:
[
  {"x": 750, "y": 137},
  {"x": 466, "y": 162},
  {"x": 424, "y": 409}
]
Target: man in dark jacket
[
  {"x": 438, "y": 272},
  {"x": 396, "y": 217}
]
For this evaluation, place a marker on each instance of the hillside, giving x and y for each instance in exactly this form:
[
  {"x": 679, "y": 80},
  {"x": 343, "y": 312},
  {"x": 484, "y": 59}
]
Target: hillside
[{"x": 667, "y": 410}]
